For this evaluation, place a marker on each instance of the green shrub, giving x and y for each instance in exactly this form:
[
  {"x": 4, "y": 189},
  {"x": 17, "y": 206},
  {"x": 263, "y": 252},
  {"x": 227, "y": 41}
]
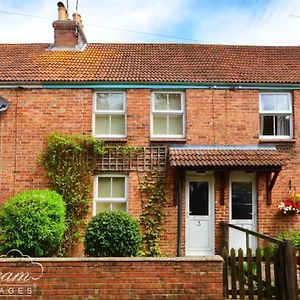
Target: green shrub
[
  {"x": 111, "y": 234},
  {"x": 32, "y": 222},
  {"x": 294, "y": 236}
]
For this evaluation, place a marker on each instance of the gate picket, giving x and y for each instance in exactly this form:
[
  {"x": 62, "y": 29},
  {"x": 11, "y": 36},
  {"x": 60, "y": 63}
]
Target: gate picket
[
  {"x": 268, "y": 273},
  {"x": 225, "y": 272},
  {"x": 259, "y": 275},
  {"x": 278, "y": 271},
  {"x": 250, "y": 274},
  {"x": 233, "y": 273},
  {"x": 241, "y": 274}
]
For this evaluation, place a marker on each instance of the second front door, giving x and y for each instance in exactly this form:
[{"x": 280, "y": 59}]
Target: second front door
[{"x": 242, "y": 209}]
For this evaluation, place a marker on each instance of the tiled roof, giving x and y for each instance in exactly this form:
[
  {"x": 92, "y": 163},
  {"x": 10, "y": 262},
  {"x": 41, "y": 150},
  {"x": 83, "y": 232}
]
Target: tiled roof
[
  {"x": 150, "y": 63},
  {"x": 225, "y": 157}
]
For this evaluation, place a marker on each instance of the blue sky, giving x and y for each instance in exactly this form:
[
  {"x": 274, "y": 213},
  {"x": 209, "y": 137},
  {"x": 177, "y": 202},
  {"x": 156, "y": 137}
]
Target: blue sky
[{"x": 258, "y": 22}]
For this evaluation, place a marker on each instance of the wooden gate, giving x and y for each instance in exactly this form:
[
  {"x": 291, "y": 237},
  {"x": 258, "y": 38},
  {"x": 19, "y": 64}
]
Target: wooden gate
[{"x": 263, "y": 274}]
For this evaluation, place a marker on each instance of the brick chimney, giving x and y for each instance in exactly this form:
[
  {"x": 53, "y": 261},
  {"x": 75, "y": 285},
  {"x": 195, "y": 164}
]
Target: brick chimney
[{"x": 68, "y": 34}]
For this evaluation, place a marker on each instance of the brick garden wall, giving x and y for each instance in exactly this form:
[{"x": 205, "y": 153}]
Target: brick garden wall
[{"x": 115, "y": 278}]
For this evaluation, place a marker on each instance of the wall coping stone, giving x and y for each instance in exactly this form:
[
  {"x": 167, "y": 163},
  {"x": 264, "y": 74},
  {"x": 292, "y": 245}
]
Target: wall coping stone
[{"x": 209, "y": 258}]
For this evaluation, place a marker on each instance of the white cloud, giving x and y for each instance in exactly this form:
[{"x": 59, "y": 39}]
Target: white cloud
[{"x": 271, "y": 24}]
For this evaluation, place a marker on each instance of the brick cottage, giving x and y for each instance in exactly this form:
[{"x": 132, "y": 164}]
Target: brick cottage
[{"x": 224, "y": 120}]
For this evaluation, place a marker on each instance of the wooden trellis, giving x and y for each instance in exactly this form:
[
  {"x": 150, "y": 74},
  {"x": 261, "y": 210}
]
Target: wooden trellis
[{"x": 152, "y": 158}]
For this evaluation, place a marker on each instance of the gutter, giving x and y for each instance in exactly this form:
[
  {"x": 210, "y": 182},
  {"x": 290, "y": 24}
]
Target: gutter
[
  {"x": 150, "y": 85},
  {"x": 175, "y": 85}
]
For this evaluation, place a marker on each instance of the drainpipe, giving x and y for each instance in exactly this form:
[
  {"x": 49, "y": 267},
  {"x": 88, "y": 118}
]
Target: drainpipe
[{"x": 179, "y": 215}]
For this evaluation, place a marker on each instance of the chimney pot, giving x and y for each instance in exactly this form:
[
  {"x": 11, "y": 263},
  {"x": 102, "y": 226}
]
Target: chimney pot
[
  {"x": 77, "y": 19},
  {"x": 62, "y": 12}
]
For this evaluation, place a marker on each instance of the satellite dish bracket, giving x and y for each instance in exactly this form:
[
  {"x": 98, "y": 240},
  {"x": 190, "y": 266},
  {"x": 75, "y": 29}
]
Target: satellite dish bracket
[{"x": 4, "y": 105}]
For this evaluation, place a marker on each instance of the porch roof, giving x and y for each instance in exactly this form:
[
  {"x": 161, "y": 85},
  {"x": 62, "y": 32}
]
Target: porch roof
[{"x": 216, "y": 156}]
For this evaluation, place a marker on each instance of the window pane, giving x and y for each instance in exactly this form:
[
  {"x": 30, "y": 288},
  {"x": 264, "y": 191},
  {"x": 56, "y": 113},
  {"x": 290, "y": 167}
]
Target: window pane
[
  {"x": 117, "y": 101},
  {"x": 118, "y": 187},
  {"x": 174, "y": 101},
  {"x": 160, "y": 125},
  {"x": 282, "y": 102},
  {"x": 119, "y": 206},
  {"x": 283, "y": 125},
  {"x": 267, "y": 102},
  {"x": 102, "y": 206},
  {"x": 104, "y": 187},
  {"x": 102, "y": 124},
  {"x": 102, "y": 102},
  {"x": 176, "y": 125},
  {"x": 241, "y": 200},
  {"x": 118, "y": 124},
  {"x": 160, "y": 101},
  {"x": 199, "y": 199},
  {"x": 267, "y": 124}
]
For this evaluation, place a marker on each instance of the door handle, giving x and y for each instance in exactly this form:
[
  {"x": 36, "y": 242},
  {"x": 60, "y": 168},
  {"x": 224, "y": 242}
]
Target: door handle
[{"x": 198, "y": 223}]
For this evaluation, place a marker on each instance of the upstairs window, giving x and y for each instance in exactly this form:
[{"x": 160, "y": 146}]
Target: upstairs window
[
  {"x": 110, "y": 193},
  {"x": 275, "y": 115},
  {"x": 110, "y": 114},
  {"x": 167, "y": 116}
]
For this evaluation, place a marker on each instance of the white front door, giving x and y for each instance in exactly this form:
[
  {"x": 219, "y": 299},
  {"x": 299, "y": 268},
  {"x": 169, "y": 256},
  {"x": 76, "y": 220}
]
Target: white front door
[
  {"x": 243, "y": 209},
  {"x": 199, "y": 215}
]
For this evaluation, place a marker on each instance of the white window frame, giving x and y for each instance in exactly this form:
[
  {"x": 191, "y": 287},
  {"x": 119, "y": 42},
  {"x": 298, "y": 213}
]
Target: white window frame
[
  {"x": 168, "y": 112},
  {"x": 110, "y": 113},
  {"x": 110, "y": 200},
  {"x": 276, "y": 113}
]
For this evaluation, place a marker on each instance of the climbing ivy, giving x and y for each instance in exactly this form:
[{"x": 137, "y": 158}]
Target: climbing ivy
[
  {"x": 70, "y": 162},
  {"x": 152, "y": 217},
  {"x": 67, "y": 164}
]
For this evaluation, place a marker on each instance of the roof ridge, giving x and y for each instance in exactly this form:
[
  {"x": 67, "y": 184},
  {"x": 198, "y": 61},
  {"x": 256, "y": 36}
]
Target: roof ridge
[{"x": 168, "y": 44}]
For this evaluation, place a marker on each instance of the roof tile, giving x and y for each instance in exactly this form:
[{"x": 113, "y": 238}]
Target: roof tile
[
  {"x": 150, "y": 63},
  {"x": 222, "y": 158}
]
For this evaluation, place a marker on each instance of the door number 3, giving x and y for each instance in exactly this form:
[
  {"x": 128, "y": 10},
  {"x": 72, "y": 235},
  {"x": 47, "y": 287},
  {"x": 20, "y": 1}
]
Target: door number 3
[{"x": 198, "y": 223}]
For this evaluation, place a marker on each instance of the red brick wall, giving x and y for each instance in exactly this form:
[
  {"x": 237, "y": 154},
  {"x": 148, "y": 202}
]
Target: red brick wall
[
  {"x": 213, "y": 117},
  {"x": 138, "y": 116},
  {"x": 118, "y": 278},
  {"x": 32, "y": 115},
  {"x": 222, "y": 117}
]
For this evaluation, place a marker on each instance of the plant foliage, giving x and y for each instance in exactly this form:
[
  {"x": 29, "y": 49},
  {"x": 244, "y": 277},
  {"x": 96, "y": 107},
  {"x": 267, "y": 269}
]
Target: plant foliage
[
  {"x": 66, "y": 161},
  {"x": 294, "y": 236},
  {"x": 152, "y": 217},
  {"x": 111, "y": 234},
  {"x": 69, "y": 161},
  {"x": 32, "y": 222}
]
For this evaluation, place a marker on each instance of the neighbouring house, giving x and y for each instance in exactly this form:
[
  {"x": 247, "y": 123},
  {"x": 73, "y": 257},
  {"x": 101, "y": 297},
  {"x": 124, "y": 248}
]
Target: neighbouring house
[{"x": 222, "y": 121}]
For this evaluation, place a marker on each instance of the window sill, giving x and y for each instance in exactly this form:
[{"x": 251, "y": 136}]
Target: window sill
[
  {"x": 123, "y": 140},
  {"x": 182, "y": 140},
  {"x": 277, "y": 141}
]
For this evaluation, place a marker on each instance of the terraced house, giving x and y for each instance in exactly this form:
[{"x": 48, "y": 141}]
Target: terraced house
[{"x": 222, "y": 122}]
